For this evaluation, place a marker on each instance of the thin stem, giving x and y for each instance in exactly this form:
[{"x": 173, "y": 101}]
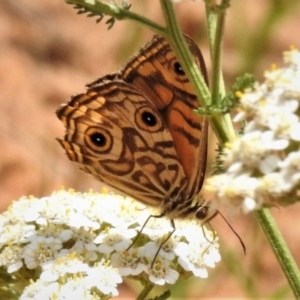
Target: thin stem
[
  {"x": 222, "y": 127},
  {"x": 221, "y": 124},
  {"x": 147, "y": 289},
  {"x": 110, "y": 9},
  {"x": 211, "y": 20},
  {"x": 181, "y": 50},
  {"x": 280, "y": 249},
  {"x": 216, "y": 21}
]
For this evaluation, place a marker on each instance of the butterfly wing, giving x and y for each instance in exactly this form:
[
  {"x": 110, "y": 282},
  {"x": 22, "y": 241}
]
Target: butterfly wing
[
  {"x": 115, "y": 133},
  {"x": 156, "y": 71}
]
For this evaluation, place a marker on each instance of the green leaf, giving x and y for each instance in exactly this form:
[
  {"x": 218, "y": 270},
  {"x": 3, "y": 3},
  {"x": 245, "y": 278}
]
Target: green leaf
[
  {"x": 163, "y": 296},
  {"x": 241, "y": 83}
]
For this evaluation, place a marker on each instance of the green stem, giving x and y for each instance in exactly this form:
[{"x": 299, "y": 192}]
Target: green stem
[
  {"x": 280, "y": 250},
  {"x": 223, "y": 128},
  {"x": 216, "y": 21},
  {"x": 110, "y": 9},
  {"x": 211, "y": 20},
  {"x": 181, "y": 50},
  {"x": 222, "y": 124},
  {"x": 147, "y": 289}
]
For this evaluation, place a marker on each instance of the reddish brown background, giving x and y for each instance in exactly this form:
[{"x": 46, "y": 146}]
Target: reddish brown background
[{"x": 48, "y": 53}]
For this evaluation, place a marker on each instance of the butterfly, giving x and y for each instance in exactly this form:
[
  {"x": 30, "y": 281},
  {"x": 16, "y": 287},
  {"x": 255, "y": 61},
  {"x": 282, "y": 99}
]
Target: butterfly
[{"x": 137, "y": 131}]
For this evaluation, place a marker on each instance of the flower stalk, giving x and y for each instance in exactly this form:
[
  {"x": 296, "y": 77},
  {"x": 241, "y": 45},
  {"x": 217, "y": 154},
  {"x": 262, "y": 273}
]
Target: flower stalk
[
  {"x": 280, "y": 249},
  {"x": 145, "y": 292}
]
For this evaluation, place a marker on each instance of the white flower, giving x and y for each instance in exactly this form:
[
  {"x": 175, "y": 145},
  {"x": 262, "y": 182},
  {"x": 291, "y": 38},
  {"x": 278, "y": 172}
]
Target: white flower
[
  {"x": 263, "y": 164},
  {"x": 45, "y": 210},
  {"x": 268, "y": 164},
  {"x": 51, "y": 233},
  {"x": 291, "y": 162},
  {"x": 212, "y": 256},
  {"x": 40, "y": 290},
  {"x": 234, "y": 189},
  {"x": 162, "y": 246},
  {"x": 156, "y": 227},
  {"x": 124, "y": 212},
  {"x": 115, "y": 239},
  {"x": 292, "y": 57},
  {"x": 160, "y": 271},
  {"x": 33, "y": 212},
  {"x": 79, "y": 220},
  {"x": 39, "y": 251},
  {"x": 252, "y": 147},
  {"x": 249, "y": 204},
  {"x": 190, "y": 260},
  {"x": 16, "y": 212},
  {"x": 11, "y": 258},
  {"x": 67, "y": 264},
  {"x": 16, "y": 234},
  {"x": 199, "y": 252},
  {"x": 84, "y": 240},
  {"x": 128, "y": 262},
  {"x": 104, "y": 278},
  {"x": 75, "y": 289},
  {"x": 190, "y": 230},
  {"x": 274, "y": 184}
]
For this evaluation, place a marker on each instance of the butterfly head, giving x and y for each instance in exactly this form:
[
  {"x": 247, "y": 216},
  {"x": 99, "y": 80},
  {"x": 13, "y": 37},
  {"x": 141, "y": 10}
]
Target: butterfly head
[{"x": 205, "y": 213}]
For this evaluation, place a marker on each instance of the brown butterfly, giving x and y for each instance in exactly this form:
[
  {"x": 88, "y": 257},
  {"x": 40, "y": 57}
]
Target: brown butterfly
[{"x": 136, "y": 130}]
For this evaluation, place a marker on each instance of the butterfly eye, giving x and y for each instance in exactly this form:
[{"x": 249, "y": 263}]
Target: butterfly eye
[
  {"x": 98, "y": 140},
  {"x": 148, "y": 120},
  {"x": 178, "y": 69},
  {"x": 202, "y": 213}
]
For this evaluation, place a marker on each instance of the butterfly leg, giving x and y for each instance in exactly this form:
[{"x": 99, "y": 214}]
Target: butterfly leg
[
  {"x": 139, "y": 233},
  {"x": 169, "y": 235},
  {"x": 204, "y": 234}
]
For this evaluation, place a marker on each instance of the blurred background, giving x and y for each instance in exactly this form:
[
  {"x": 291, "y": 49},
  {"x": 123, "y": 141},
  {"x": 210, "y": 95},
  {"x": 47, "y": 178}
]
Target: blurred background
[{"x": 48, "y": 53}]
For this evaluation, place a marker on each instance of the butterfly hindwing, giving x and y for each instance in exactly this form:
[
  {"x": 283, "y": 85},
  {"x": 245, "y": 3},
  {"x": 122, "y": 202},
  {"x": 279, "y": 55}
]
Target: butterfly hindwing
[{"x": 118, "y": 136}]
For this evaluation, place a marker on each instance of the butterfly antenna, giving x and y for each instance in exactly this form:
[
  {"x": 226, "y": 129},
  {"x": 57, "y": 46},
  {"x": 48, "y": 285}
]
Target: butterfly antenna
[{"x": 236, "y": 234}]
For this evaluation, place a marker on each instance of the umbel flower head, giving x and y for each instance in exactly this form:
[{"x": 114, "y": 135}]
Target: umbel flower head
[
  {"x": 263, "y": 164},
  {"x": 79, "y": 246}
]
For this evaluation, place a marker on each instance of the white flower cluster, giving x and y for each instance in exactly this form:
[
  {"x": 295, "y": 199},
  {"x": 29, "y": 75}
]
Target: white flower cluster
[
  {"x": 263, "y": 165},
  {"x": 79, "y": 246}
]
